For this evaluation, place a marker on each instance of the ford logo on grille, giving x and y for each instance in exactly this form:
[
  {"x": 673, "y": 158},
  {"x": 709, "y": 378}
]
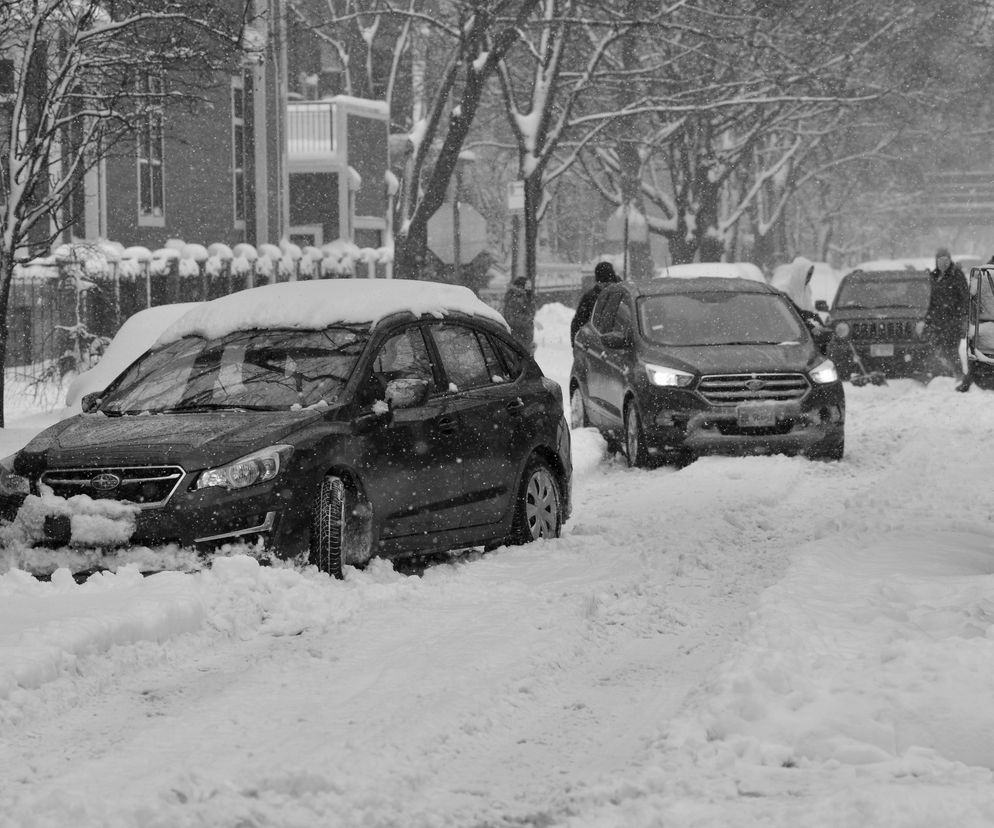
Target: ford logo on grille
[
  {"x": 105, "y": 481},
  {"x": 755, "y": 384}
]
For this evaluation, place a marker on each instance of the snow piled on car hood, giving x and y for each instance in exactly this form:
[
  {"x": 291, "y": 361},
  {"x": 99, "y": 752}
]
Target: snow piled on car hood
[{"x": 314, "y": 305}]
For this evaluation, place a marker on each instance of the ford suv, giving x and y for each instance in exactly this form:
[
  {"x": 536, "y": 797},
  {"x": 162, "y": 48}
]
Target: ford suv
[{"x": 674, "y": 368}]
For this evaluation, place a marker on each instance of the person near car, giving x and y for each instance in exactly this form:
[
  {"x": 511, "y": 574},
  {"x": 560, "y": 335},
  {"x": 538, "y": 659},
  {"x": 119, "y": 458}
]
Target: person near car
[
  {"x": 946, "y": 317},
  {"x": 604, "y": 275},
  {"x": 519, "y": 311}
]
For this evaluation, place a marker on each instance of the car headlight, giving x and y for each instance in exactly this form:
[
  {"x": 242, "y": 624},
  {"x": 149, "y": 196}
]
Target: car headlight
[
  {"x": 661, "y": 375},
  {"x": 842, "y": 330},
  {"x": 257, "y": 467},
  {"x": 919, "y": 327},
  {"x": 824, "y": 372}
]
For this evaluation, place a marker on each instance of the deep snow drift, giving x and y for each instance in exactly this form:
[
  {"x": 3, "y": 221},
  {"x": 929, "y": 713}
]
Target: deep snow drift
[{"x": 745, "y": 641}]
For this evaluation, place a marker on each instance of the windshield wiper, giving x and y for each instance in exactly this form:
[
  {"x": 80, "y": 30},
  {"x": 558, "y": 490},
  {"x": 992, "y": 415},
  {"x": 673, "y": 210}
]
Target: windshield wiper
[{"x": 199, "y": 408}]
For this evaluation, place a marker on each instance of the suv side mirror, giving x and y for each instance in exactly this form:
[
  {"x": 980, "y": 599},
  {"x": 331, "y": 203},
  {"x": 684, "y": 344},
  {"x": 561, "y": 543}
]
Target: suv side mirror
[
  {"x": 406, "y": 392},
  {"x": 89, "y": 402},
  {"x": 617, "y": 339},
  {"x": 821, "y": 305}
]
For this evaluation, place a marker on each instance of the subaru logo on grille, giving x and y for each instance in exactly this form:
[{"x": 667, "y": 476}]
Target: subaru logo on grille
[
  {"x": 105, "y": 481},
  {"x": 755, "y": 384}
]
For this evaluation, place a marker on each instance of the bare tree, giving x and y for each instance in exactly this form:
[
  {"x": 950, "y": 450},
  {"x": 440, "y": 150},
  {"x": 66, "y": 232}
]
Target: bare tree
[{"x": 83, "y": 75}]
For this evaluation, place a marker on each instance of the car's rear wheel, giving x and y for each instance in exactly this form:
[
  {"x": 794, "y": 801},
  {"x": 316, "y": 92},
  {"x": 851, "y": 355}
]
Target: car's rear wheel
[
  {"x": 328, "y": 526},
  {"x": 577, "y": 409},
  {"x": 635, "y": 448},
  {"x": 538, "y": 512}
]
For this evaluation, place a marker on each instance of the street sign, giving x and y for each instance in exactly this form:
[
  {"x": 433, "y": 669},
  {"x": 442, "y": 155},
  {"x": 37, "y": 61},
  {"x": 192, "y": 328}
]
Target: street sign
[
  {"x": 516, "y": 196},
  {"x": 472, "y": 234}
]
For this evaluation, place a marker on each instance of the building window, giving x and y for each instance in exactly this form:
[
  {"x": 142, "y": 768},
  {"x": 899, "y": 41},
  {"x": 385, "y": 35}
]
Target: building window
[
  {"x": 151, "y": 182},
  {"x": 238, "y": 151}
]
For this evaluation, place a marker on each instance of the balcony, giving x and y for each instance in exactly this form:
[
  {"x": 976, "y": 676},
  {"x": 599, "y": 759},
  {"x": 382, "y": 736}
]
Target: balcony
[{"x": 310, "y": 130}]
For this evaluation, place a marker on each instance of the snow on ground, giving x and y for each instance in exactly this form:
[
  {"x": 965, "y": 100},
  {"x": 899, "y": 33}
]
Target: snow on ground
[{"x": 745, "y": 641}]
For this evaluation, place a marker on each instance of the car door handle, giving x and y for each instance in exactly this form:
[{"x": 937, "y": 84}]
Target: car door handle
[
  {"x": 515, "y": 406},
  {"x": 447, "y": 425}
]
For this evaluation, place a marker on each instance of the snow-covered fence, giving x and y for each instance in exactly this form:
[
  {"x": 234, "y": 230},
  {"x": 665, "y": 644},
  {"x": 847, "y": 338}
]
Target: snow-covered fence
[{"x": 86, "y": 290}]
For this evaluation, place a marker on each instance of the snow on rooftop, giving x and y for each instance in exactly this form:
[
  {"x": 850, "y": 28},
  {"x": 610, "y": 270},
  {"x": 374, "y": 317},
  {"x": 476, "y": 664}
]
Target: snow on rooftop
[{"x": 312, "y": 305}]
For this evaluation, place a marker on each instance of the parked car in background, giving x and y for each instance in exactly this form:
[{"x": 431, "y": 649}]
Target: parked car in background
[
  {"x": 326, "y": 421},
  {"x": 675, "y": 368},
  {"x": 879, "y": 317}
]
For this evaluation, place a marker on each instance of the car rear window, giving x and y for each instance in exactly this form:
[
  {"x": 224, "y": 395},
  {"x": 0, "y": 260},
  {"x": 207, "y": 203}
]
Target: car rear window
[{"x": 719, "y": 318}]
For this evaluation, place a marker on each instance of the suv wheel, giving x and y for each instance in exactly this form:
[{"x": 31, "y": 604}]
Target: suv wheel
[
  {"x": 577, "y": 410},
  {"x": 635, "y": 448}
]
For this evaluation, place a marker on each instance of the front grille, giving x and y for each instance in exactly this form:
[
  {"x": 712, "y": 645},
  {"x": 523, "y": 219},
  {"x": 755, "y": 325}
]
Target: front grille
[
  {"x": 884, "y": 330},
  {"x": 729, "y": 389},
  {"x": 143, "y": 485}
]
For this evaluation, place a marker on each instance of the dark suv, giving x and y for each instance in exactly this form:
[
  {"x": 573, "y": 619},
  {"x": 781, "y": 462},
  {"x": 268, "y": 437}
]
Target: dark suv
[
  {"x": 675, "y": 368},
  {"x": 330, "y": 421},
  {"x": 879, "y": 317}
]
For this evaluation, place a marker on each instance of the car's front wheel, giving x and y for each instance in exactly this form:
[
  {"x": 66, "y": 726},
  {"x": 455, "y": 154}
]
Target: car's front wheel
[
  {"x": 577, "y": 409},
  {"x": 328, "y": 526},
  {"x": 635, "y": 448},
  {"x": 538, "y": 510}
]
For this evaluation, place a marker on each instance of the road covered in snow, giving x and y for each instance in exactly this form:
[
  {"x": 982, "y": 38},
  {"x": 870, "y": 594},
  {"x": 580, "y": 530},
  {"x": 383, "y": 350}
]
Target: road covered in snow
[{"x": 748, "y": 641}]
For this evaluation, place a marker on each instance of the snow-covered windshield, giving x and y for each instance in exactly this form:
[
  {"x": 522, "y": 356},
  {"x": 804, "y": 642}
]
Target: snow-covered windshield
[
  {"x": 871, "y": 290},
  {"x": 260, "y": 370},
  {"x": 719, "y": 318}
]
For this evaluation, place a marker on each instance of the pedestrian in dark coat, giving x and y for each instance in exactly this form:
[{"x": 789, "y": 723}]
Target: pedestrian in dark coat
[
  {"x": 945, "y": 320},
  {"x": 604, "y": 275},
  {"x": 519, "y": 311}
]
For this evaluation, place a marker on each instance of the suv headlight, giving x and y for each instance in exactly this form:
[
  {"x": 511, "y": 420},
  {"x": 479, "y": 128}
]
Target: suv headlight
[
  {"x": 919, "y": 327},
  {"x": 257, "y": 467},
  {"x": 824, "y": 372},
  {"x": 661, "y": 375},
  {"x": 842, "y": 330}
]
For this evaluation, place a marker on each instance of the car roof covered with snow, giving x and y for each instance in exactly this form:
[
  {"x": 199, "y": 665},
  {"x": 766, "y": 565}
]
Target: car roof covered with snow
[
  {"x": 719, "y": 270},
  {"x": 700, "y": 284},
  {"x": 317, "y": 304}
]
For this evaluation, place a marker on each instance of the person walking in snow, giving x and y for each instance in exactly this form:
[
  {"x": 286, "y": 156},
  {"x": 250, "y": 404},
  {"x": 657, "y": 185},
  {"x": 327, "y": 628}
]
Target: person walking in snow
[
  {"x": 519, "y": 311},
  {"x": 604, "y": 275},
  {"x": 946, "y": 317}
]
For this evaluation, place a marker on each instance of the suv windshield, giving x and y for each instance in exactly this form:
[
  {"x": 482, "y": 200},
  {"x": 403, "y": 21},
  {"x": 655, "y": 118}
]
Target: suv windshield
[
  {"x": 262, "y": 370},
  {"x": 868, "y": 290},
  {"x": 719, "y": 318}
]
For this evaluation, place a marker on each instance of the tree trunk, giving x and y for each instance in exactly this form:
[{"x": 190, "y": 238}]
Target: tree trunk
[{"x": 6, "y": 280}]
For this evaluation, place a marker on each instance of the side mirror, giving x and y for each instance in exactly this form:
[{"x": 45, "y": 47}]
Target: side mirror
[
  {"x": 617, "y": 339},
  {"x": 90, "y": 401},
  {"x": 821, "y": 305},
  {"x": 406, "y": 393}
]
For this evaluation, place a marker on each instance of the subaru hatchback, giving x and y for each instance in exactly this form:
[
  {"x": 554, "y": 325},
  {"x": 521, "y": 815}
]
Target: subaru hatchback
[
  {"x": 675, "y": 368},
  {"x": 327, "y": 421}
]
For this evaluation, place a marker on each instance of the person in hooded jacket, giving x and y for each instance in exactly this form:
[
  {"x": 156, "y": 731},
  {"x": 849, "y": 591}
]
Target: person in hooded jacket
[
  {"x": 604, "y": 275},
  {"x": 946, "y": 317},
  {"x": 794, "y": 281}
]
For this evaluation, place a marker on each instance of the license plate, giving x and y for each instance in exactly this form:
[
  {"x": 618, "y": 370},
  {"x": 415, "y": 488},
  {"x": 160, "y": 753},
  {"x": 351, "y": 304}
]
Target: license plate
[
  {"x": 756, "y": 416},
  {"x": 882, "y": 349}
]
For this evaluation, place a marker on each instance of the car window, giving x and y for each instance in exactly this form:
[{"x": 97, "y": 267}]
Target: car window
[
  {"x": 871, "y": 291},
  {"x": 462, "y": 356},
  {"x": 719, "y": 318},
  {"x": 404, "y": 356},
  {"x": 514, "y": 362},
  {"x": 604, "y": 310},
  {"x": 623, "y": 318},
  {"x": 494, "y": 365}
]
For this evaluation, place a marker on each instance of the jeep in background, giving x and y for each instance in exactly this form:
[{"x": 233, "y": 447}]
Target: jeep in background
[{"x": 879, "y": 316}]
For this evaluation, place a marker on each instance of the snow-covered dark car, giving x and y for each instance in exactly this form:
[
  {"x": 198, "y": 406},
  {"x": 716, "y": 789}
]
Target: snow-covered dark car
[
  {"x": 674, "y": 368},
  {"x": 327, "y": 421},
  {"x": 878, "y": 317}
]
